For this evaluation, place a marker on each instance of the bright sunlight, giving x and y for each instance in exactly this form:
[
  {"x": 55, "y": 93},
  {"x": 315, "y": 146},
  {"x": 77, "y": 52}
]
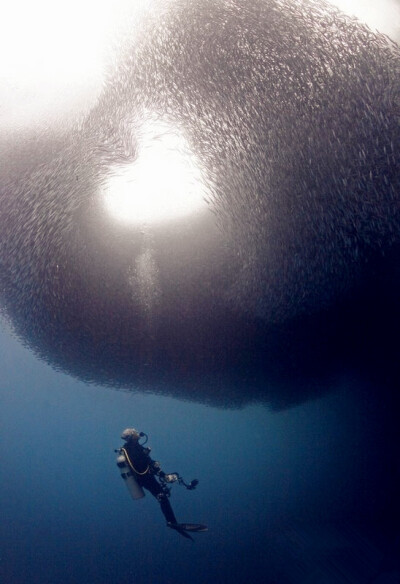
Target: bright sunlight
[{"x": 163, "y": 184}]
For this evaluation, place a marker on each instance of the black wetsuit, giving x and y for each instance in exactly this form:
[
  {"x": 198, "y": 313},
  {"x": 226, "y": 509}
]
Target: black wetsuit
[{"x": 145, "y": 476}]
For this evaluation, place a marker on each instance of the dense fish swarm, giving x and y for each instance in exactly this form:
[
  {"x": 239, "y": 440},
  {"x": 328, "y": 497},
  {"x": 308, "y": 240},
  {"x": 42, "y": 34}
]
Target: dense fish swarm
[{"x": 293, "y": 111}]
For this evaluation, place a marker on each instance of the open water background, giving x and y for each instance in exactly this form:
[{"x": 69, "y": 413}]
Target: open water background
[{"x": 308, "y": 494}]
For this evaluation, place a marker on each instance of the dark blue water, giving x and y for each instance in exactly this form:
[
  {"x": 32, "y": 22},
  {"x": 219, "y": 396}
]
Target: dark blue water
[{"x": 296, "y": 496}]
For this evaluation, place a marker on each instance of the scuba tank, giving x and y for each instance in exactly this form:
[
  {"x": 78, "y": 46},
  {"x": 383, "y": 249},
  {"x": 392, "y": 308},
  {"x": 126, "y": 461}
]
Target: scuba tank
[{"x": 128, "y": 475}]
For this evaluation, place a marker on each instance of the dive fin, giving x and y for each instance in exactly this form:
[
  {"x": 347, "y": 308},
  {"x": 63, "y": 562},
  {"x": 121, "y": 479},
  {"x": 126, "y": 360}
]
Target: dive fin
[
  {"x": 179, "y": 529},
  {"x": 197, "y": 527}
]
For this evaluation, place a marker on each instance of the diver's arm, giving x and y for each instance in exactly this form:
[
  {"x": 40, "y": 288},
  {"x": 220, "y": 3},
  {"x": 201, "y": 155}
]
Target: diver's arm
[
  {"x": 154, "y": 465},
  {"x": 165, "y": 477},
  {"x": 173, "y": 477}
]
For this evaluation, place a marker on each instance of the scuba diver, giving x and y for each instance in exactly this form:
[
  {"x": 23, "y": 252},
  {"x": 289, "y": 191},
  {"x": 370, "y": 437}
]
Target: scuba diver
[{"x": 139, "y": 471}]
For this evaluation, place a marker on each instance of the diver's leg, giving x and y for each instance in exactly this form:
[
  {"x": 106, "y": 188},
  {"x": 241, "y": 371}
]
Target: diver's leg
[
  {"x": 166, "y": 508},
  {"x": 152, "y": 485}
]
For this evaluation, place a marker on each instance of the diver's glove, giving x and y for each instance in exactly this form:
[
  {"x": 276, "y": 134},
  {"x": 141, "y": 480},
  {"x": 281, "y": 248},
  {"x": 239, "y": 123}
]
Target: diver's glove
[{"x": 156, "y": 468}]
